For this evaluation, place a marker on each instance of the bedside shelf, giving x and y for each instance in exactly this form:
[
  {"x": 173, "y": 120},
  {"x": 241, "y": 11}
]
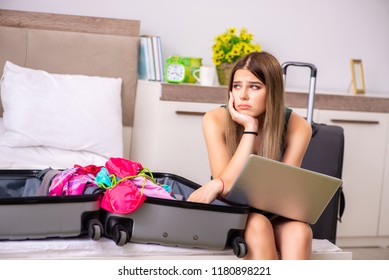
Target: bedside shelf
[{"x": 328, "y": 101}]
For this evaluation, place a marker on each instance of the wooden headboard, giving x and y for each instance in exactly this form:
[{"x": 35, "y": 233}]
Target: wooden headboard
[{"x": 67, "y": 44}]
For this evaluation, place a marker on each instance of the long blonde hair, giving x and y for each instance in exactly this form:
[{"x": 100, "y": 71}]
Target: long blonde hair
[{"x": 268, "y": 70}]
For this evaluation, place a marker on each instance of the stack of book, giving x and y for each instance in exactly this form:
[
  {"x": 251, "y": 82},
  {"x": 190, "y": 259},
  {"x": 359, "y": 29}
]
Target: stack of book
[{"x": 150, "y": 58}]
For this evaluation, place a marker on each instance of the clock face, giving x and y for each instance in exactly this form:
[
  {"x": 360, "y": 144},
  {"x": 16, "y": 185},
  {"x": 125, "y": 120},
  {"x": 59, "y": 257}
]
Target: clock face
[{"x": 175, "y": 72}]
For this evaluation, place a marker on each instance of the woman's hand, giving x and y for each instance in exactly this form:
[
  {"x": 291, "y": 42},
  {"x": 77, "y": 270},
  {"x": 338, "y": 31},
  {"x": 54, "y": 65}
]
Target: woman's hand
[
  {"x": 207, "y": 193},
  {"x": 248, "y": 122}
]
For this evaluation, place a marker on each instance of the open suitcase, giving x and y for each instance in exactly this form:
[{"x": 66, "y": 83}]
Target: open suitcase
[
  {"x": 324, "y": 155},
  {"x": 178, "y": 222},
  {"x": 26, "y": 215}
]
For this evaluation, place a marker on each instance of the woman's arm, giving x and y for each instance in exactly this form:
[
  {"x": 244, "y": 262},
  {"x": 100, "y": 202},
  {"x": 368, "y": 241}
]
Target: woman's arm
[
  {"x": 218, "y": 155},
  {"x": 213, "y": 126},
  {"x": 224, "y": 168}
]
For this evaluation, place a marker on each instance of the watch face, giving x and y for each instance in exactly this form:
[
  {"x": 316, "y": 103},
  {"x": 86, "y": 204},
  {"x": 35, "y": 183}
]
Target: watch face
[{"x": 175, "y": 72}]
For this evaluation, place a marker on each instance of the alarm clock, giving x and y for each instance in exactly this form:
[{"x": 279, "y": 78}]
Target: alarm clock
[{"x": 174, "y": 69}]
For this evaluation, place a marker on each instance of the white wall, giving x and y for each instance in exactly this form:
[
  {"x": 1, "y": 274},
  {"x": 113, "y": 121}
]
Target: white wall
[{"x": 327, "y": 33}]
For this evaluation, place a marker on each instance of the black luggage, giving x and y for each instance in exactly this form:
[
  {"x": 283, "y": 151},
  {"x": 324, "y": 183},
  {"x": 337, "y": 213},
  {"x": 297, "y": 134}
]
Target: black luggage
[
  {"x": 324, "y": 155},
  {"x": 178, "y": 222},
  {"x": 27, "y": 214}
]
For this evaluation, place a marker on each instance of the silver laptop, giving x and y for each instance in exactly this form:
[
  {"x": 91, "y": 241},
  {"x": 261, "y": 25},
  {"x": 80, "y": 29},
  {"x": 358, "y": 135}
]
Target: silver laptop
[{"x": 282, "y": 189}]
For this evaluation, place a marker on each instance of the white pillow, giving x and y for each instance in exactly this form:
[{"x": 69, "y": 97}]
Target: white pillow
[{"x": 71, "y": 112}]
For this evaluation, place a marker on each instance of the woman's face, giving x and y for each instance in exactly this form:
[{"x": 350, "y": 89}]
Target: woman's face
[{"x": 249, "y": 93}]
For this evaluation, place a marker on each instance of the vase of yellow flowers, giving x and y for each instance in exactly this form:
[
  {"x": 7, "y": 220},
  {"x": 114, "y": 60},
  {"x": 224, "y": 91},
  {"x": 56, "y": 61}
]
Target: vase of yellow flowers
[{"x": 228, "y": 48}]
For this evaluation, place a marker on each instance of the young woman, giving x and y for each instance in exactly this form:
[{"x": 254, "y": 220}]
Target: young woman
[{"x": 256, "y": 121}]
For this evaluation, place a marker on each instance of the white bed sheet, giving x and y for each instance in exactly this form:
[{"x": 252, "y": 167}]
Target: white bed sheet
[
  {"x": 85, "y": 248},
  {"x": 43, "y": 157}
]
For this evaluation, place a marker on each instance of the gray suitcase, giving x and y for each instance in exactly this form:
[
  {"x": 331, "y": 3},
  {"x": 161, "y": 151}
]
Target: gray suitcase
[
  {"x": 180, "y": 223},
  {"x": 24, "y": 215},
  {"x": 324, "y": 155}
]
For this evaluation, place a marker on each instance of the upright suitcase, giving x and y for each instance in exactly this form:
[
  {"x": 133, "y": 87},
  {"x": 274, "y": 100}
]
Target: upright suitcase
[
  {"x": 178, "y": 222},
  {"x": 26, "y": 215},
  {"x": 324, "y": 155}
]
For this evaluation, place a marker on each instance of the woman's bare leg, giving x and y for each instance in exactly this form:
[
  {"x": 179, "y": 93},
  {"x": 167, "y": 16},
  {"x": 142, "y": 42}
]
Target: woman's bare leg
[
  {"x": 293, "y": 239},
  {"x": 259, "y": 236}
]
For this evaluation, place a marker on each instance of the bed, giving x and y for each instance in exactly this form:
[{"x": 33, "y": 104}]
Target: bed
[
  {"x": 64, "y": 44},
  {"x": 65, "y": 53}
]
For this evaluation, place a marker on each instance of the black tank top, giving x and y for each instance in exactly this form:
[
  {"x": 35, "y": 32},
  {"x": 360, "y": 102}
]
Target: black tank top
[{"x": 288, "y": 112}]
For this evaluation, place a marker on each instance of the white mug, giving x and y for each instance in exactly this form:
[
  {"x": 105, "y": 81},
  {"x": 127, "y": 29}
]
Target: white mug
[{"x": 207, "y": 75}]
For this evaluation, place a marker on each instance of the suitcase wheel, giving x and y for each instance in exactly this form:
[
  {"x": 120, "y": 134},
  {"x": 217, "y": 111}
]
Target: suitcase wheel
[
  {"x": 119, "y": 235},
  {"x": 95, "y": 229},
  {"x": 239, "y": 247}
]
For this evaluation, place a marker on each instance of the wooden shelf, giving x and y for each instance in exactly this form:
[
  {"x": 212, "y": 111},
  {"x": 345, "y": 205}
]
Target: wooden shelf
[{"x": 326, "y": 101}]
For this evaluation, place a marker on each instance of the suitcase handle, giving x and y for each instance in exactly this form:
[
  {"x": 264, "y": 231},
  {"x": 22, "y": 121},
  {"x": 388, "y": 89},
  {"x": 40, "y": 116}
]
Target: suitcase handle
[
  {"x": 313, "y": 68},
  {"x": 312, "y": 83}
]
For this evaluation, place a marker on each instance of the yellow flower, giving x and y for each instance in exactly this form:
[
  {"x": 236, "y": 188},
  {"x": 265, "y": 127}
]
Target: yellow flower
[
  {"x": 229, "y": 46},
  {"x": 232, "y": 30}
]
